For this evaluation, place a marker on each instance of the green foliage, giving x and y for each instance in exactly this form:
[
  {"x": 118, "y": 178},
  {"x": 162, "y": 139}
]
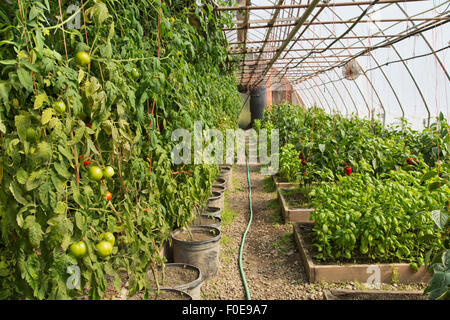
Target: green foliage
[
  {"x": 228, "y": 214},
  {"x": 47, "y": 200},
  {"x": 389, "y": 219},
  {"x": 316, "y": 146}
]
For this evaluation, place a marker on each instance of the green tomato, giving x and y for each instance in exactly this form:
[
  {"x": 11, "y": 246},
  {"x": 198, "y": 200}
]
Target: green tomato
[
  {"x": 135, "y": 74},
  {"x": 43, "y": 151},
  {"x": 108, "y": 236},
  {"x": 104, "y": 248},
  {"x": 82, "y": 58},
  {"x": 78, "y": 249},
  {"x": 31, "y": 135},
  {"x": 59, "y": 106},
  {"x": 447, "y": 243},
  {"x": 108, "y": 172},
  {"x": 95, "y": 173}
]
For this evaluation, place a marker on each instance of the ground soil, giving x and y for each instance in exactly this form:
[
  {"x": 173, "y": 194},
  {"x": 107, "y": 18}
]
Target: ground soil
[
  {"x": 271, "y": 261},
  {"x": 295, "y": 198}
]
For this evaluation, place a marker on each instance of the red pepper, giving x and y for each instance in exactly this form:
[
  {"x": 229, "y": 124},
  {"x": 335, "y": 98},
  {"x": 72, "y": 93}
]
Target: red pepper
[
  {"x": 348, "y": 171},
  {"x": 411, "y": 161}
]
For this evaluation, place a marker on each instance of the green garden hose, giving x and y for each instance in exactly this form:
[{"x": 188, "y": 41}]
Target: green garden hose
[{"x": 244, "y": 280}]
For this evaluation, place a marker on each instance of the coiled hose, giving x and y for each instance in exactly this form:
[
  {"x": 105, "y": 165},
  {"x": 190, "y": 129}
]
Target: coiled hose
[{"x": 241, "y": 249}]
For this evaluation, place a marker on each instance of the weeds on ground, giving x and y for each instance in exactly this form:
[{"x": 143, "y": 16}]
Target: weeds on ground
[
  {"x": 275, "y": 216},
  {"x": 285, "y": 244},
  {"x": 228, "y": 214},
  {"x": 269, "y": 185},
  {"x": 236, "y": 185}
]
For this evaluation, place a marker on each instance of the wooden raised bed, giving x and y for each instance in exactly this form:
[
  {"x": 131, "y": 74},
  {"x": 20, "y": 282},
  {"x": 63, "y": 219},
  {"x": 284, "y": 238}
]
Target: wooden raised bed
[
  {"x": 345, "y": 294},
  {"x": 292, "y": 215},
  {"x": 353, "y": 272},
  {"x": 283, "y": 184}
]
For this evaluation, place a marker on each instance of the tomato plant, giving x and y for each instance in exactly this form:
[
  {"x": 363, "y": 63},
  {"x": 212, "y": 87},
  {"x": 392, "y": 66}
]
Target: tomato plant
[
  {"x": 108, "y": 236},
  {"x": 108, "y": 172},
  {"x": 104, "y": 248},
  {"x": 78, "y": 249},
  {"x": 47, "y": 200},
  {"x": 95, "y": 173},
  {"x": 59, "y": 106},
  {"x": 82, "y": 58}
]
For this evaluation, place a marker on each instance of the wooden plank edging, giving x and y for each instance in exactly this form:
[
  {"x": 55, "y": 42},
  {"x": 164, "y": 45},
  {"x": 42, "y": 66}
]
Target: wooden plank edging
[
  {"x": 293, "y": 215},
  {"x": 356, "y": 272}
]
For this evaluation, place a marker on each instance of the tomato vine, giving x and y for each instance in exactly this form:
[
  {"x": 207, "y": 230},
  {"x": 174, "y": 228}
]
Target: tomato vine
[{"x": 136, "y": 54}]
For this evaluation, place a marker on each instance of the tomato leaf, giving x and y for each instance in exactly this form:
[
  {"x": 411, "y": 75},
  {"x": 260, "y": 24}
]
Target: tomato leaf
[{"x": 25, "y": 78}]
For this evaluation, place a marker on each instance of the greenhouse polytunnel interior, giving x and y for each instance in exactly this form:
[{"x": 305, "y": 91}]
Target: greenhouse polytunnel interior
[{"x": 224, "y": 150}]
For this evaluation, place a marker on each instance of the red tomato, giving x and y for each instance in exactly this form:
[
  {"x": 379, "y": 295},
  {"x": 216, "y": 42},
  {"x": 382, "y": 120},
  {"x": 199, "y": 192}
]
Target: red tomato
[
  {"x": 348, "y": 171},
  {"x": 108, "y": 195}
]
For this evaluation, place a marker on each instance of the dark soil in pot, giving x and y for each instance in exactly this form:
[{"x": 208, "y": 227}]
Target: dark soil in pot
[{"x": 180, "y": 276}]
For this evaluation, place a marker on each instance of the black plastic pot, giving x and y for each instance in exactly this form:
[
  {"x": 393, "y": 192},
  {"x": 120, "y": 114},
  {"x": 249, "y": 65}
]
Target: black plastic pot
[
  {"x": 216, "y": 199},
  {"x": 212, "y": 211},
  {"x": 192, "y": 287},
  {"x": 201, "y": 253},
  {"x": 212, "y": 221},
  {"x": 220, "y": 182},
  {"x": 218, "y": 188},
  {"x": 226, "y": 174},
  {"x": 175, "y": 294},
  {"x": 180, "y": 294}
]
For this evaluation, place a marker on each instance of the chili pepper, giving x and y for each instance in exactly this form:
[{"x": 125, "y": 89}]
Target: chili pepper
[{"x": 348, "y": 171}]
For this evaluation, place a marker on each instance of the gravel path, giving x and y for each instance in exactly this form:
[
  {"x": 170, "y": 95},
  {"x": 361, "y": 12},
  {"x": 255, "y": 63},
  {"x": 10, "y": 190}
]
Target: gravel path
[{"x": 271, "y": 261}]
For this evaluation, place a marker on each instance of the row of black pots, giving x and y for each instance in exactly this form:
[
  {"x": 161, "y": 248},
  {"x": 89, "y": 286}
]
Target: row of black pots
[{"x": 197, "y": 249}]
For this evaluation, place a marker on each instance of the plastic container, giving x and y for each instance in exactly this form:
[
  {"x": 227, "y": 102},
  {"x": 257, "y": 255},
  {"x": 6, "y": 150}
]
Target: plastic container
[{"x": 202, "y": 250}]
